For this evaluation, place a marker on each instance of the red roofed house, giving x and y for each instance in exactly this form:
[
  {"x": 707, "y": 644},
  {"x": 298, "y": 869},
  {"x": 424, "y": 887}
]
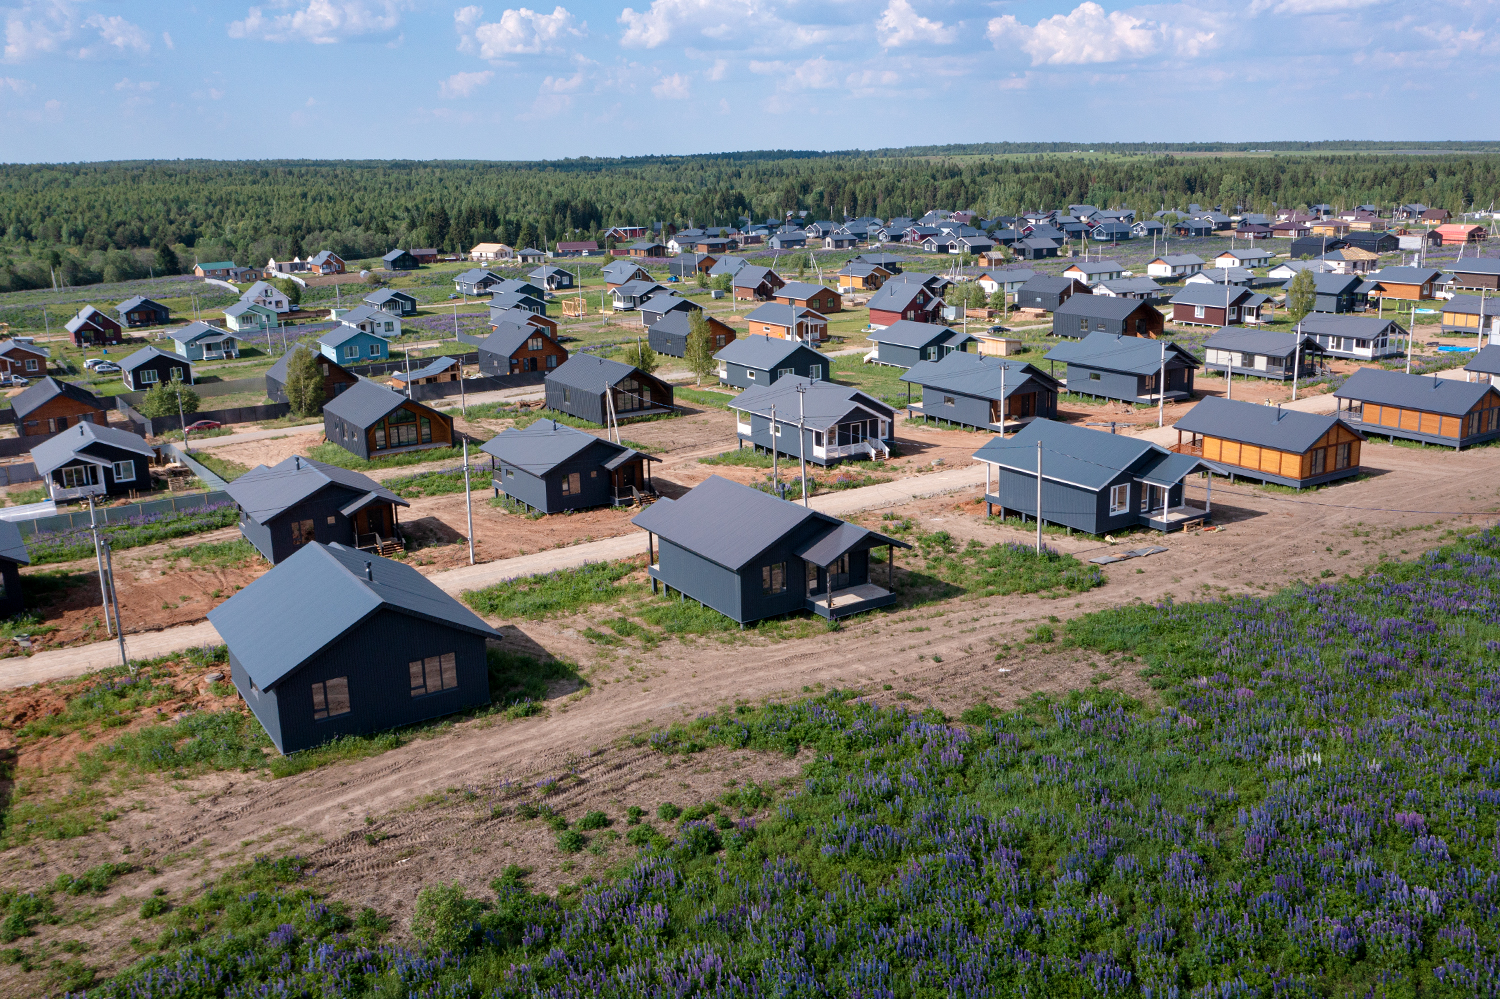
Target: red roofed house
[{"x": 1455, "y": 233}]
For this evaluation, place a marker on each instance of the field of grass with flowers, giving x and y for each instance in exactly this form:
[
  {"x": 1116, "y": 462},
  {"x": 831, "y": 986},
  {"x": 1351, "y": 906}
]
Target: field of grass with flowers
[{"x": 1311, "y": 810}]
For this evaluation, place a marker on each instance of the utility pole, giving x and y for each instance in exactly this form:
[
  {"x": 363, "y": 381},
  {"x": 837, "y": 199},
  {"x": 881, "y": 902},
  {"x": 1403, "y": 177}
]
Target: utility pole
[
  {"x": 115, "y": 599},
  {"x": 1161, "y": 388},
  {"x": 775, "y": 470},
  {"x": 99, "y": 562},
  {"x": 468, "y": 499},
  {"x": 181, "y": 416},
  {"x": 1296, "y": 360},
  {"x": 1039, "y": 496},
  {"x": 802, "y": 437}
]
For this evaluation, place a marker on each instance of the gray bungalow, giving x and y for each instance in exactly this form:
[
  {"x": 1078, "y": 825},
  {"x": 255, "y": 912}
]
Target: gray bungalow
[
  {"x": 553, "y": 278},
  {"x": 371, "y": 421},
  {"x": 579, "y": 386},
  {"x": 904, "y": 343},
  {"x": 1338, "y": 293},
  {"x": 1081, "y": 315},
  {"x": 1112, "y": 366},
  {"x": 781, "y": 558},
  {"x": 298, "y": 501},
  {"x": 665, "y": 304},
  {"x": 1047, "y": 291},
  {"x": 335, "y": 642},
  {"x": 553, "y": 468},
  {"x": 142, "y": 311},
  {"x": 760, "y": 360},
  {"x": 397, "y": 303},
  {"x": 1092, "y": 481},
  {"x": 838, "y": 421},
  {"x": 1262, "y": 353},
  {"x": 1364, "y": 338},
  {"x": 91, "y": 460},
  {"x": 476, "y": 281},
  {"x": 985, "y": 393},
  {"x": 631, "y": 294}
]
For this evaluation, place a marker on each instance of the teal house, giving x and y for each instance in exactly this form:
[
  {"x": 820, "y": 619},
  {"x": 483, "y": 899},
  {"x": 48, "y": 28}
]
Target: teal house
[{"x": 350, "y": 345}]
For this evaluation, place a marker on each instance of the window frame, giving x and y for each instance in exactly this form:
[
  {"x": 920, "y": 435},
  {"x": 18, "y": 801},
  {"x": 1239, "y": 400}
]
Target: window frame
[
  {"x": 328, "y": 696},
  {"x": 442, "y": 668},
  {"x": 71, "y": 474},
  {"x": 148, "y": 376},
  {"x": 129, "y": 465},
  {"x": 773, "y": 579},
  {"x": 1119, "y": 499}
]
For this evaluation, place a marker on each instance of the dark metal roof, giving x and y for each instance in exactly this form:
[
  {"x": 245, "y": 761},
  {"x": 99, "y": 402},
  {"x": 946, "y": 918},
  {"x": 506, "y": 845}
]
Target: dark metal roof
[
  {"x": 910, "y": 333},
  {"x": 1214, "y": 295},
  {"x": 1406, "y": 275},
  {"x": 436, "y": 366},
  {"x": 763, "y": 352},
  {"x": 364, "y": 402},
  {"x": 545, "y": 444},
  {"x": 1100, "y": 307},
  {"x": 726, "y": 522},
  {"x": 751, "y": 275},
  {"x": 1445, "y": 396},
  {"x": 1050, "y": 283},
  {"x": 1471, "y": 305},
  {"x": 1476, "y": 265},
  {"x": 50, "y": 388},
  {"x": 1117, "y": 352},
  {"x": 842, "y": 540},
  {"x": 1169, "y": 469},
  {"x": 973, "y": 375},
  {"x": 895, "y": 296},
  {"x": 1079, "y": 456},
  {"x": 1264, "y": 426},
  {"x": 1267, "y": 342},
  {"x": 591, "y": 374},
  {"x": 823, "y": 405},
  {"x": 136, "y": 302},
  {"x": 665, "y": 302},
  {"x": 150, "y": 354},
  {"x": 81, "y": 440},
  {"x": 1335, "y": 284},
  {"x": 1096, "y": 266},
  {"x": 1364, "y": 327},
  {"x": 782, "y": 314},
  {"x": 12, "y": 547},
  {"x": 306, "y": 603},
  {"x": 267, "y": 491},
  {"x": 508, "y": 338},
  {"x": 1486, "y": 362},
  {"x": 341, "y": 334},
  {"x": 800, "y": 289}
]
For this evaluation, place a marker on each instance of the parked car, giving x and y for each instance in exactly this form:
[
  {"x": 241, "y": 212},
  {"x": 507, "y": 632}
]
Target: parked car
[
  {"x": 92, "y": 362},
  {"x": 205, "y": 425},
  {"x": 106, "y": 368},
  {"x": 12, "y": 380}
]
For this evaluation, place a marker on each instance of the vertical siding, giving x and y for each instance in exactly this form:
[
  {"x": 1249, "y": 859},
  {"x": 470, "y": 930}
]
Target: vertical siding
[
  {"x": 965, "y": 409},
  {"x": 757, "y": 605},
  {"x": 586, "y": 404},
  {"x": 13, "y": 599},
  {"x": 891, "y": 353},
  {"x": 262, "y": 703},
  {"x": 700, "y": 578},
  {"x": 1110, "y": 384},
  {"x": 1072, "y": 506},
  {"x": 522, "y": 485}
]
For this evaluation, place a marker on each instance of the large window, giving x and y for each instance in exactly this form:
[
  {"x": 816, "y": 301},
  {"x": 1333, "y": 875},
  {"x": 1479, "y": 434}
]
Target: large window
[
  {"x": 124, "y": 471},
  {"x": 773, "y": 578},
  {"x": 78, "y": 476},
  {"x": 1343, "y": 456},
  {"x": 1319, "y": 461},
  {"x": 433, "y": 674},
  {"x": 146, "y": 376},
  {"x": 1119, "y": 498},
  {"x": 330, "y": 698},
  {"x": 351, "y": 352},
  {"x": 571, "y": 484},
  {"x": 302, "y": 532}
]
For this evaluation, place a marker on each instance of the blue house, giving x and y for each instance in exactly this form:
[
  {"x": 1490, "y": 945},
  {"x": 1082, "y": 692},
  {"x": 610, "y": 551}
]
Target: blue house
[
  {"x": 1128, "y": 368},
  {"x": 980, "y": 392},
  {"x": 837, "y": 422},
  {"x": 781, "y": 558},
  {"x": 904, "y": 343},
  {"x": 286, "y": 506},
  {"x": 335, "y": 642},
  {"x": 552, "y": 468},
  {"x": 198, "y": 341},
  {"x": 760, "y": 360},
  {"x": 350, "y": 345},
  {"x": 1092, "y": 481}
]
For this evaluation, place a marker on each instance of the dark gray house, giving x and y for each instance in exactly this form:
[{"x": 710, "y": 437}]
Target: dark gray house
[
  {"x": 669, "y": 334},
  {"x": 1092, "y": 481},
  {"x": 904, "y": 343},
  {"x": 665, "y": 304},
  {"x": 1338, "y": 293},
  {"x": 371, "y": 421},
  {"x": 1261, "y": 353},
  {"x": 516, "y": 348},
  {"x": 90, "y": 460},
  {"x": 837, "y": 422},
  {"x": 13, "y": 555},
  {"x": 552, "y": 467},
  {"x": 501, "y": 301},
  {"x": 397, "y": 303},
  {"x": 1081, "y": 315},
  {"x": 1128, "y": 368},
  {"x": 1035, "y": 248},
  {"x": 399, "y": 260},
  {"x": 760, "y": 360},
  {"x": 781, "y": 558},
  {"x": 298, "y": 501},
  {"x": 1048, "y": 291},
  {"x": 148, "y": 366},
  {"x": 579, "y": 388},
  {"x": 981, "y": 392},
  {"x": 142, "y": 311},
  {"x": 336, "y": 642}
]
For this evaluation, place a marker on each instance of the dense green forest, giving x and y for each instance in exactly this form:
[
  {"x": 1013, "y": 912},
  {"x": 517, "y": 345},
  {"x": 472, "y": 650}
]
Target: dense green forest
[{"x": 86, "y": 222}]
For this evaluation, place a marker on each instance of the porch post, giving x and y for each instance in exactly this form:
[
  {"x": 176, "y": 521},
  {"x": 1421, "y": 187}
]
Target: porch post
[
  {"x": 890, "y": 568},
  {"x": 830, "y": 594},
  {"x": 1208, "y": 502}
]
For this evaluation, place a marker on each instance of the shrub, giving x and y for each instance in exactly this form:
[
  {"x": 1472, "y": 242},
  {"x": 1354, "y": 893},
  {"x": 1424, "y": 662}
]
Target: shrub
[
  {"x": 164, "y": 398},
  {"x": 668, "y": 811},
  {"x": 304, "y": 382},
  {"x": 153, "y": 907},
  {"x": 445, "y": 917},
  {"x": 593, "y": 820},
  {"x": 633, "y": 815},
  {"x": 571, "y": 841}
]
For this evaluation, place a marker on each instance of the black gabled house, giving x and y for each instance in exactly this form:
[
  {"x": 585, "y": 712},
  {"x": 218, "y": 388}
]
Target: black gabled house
[{"x": 298, "y": 501}]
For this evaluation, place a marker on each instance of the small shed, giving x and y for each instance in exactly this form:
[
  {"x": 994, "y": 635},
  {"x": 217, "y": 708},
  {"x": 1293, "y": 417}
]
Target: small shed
[
  {"x": 580, "y": 387},
  {"x": 350, "y": 345},
  {"x": 13, "y": 555},
  {"x": 91, "y": 328},
  {"x": 552, "y": 468},
  {"x": 286, "y": 506},
  {"x": 1081, "y": 315},
  {"x": 758, "y": 359},
  {"x": 783, "y": 558},
  {"x": 142, "y": 311},
  {"x": 371, "y": 421},
  {"x": 434, "y": 372},
  {"x": 1431, "y": 410},
  {"x": 93, "y": 460},
  {"x": 1128, "y": 368},
  {"x": 1092, "y": 480},
  {"x": 1047, "y": 291},
  {"x": 335, "y": 378},
  {"x": 669, "y": 334},
  {"x": 983, "y": 392},
  {"x": 148, "y": 366},
  {"x": 1363, "y": 338},
  {"x": 516, "y": 348},
  {"x": 360, "y": 644},
  {"x": 1270, "y": 444},
  {"x": 837, "y": 422},
  {"x": 51, "y": 405},
  {"x": 1262, "y": 353},
  {"x": 904, "y": 343},
  {"x": 198, "y": 341}
]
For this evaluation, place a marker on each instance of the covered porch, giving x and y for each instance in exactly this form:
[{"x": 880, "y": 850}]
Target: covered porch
[
  {"x": 374, "y": 522},
  {"x": 839, "y": 573},
  {"x": 1165, "y": 505},
  {"x": 630, "y": 477}
]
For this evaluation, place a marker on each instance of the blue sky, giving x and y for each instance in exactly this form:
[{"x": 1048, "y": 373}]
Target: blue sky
[{"x": 82, "y": 80}]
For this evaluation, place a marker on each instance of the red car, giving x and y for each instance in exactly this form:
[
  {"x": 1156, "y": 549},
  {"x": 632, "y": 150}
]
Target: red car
[{"x": 205, "y": 425}]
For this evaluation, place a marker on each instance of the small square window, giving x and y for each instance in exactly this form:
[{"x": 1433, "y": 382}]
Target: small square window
[
  {"x": 330, "y": 698},
  {"x": 124, "y": 471}
]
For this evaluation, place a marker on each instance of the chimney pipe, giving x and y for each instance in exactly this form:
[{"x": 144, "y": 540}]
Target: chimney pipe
[{"x": 370, "y": 571}]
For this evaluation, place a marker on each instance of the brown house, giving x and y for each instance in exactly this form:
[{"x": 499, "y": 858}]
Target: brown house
[
  {"x": 646, "y": 248},
  {"x": 22, "y": 359},
  {"x": 516, "y": 348},
  {"x": 1417, "y": 407},
  {"x": 789, "y": 322},
  {"x": 1213, "y": 305},
  {"x": 857, "y": 276},
  {"x": 1411, "y": 284},
  {"x": 810, "y": 296},
  {"x": 371, "y": 421},
  {"x": 93, "y": 328},
  {"x": 756, "y": 284},
  {"x": 51, "y": 406},
  {"x": 335, "y": 378},
  {"x": 441, "y": 369},
  {"x": 522, "y": 317}
]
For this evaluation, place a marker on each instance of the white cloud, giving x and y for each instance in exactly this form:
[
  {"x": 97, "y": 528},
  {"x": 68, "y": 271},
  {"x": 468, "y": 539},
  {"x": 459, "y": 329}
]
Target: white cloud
[
  {"x": 167, "y": 40},
  {"x": 144, "y": 85},
  {"x": 1321, "y": 6},
  {"x": 46, "y": 27},
  {"x": 720, "y": 70},
  {"x": 1089, "y": 34},
  {"x": 16, "y": 86},
  {"x": 672, "y": 88},
  {"x": 117, "y": 32},
  {"x": 900, "y": 24},
  {"x": 563, "y": 84},
  {"x": 813, "y": 74},
  {"x": 518, "y": 32},
  {"x": 865, "y": 79},
  {"x": 464, "y": 84},
  {"x": 322, "y": 22},
  {"x": 719, "y": 20}
]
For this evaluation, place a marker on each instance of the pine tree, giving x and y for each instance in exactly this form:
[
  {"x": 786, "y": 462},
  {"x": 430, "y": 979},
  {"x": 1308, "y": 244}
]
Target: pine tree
[
  {"x": 304, "y": 382},
  {"x": 166, "y": 259},
  {"x": 700, "y": 349},
  {"x": 1301, "y": 296},
  {"x": 526, "y": 238}
]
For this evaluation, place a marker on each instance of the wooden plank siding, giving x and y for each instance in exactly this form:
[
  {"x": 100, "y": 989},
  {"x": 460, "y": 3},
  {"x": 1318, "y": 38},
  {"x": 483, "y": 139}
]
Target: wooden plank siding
[
  {"x": 1482, "y": 418},
  {"x": 1286, "y": 464}
]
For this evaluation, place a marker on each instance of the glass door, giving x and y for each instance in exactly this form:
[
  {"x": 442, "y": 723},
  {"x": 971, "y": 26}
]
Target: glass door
[{"x": 838, "y": 573}]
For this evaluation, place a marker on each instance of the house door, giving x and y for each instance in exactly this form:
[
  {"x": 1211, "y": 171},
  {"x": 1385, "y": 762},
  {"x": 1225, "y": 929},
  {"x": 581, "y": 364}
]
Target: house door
[
  {"x": 1023, "y": 406},
  {"x": 838, "y": 573}
]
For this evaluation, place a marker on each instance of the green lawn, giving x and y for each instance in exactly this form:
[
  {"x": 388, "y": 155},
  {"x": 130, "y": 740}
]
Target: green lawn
[
  {"x": 332, "y": 454},
  {"x": 879, "y": 380}
]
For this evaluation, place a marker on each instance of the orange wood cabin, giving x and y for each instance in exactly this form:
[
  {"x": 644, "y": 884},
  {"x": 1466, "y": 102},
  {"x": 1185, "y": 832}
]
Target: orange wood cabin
[
  {"x": 1270, "y": 444},
  {"x": 1441, "y": 411}
]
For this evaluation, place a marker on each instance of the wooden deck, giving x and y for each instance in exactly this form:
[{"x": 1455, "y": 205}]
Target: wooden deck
[{"x": 850, "y": 600}]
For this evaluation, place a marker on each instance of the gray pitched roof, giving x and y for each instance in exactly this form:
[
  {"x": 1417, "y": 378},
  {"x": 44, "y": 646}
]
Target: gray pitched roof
[
  {"x": 1117, "y": 352},
  {"x": 342, "y": 333},
  {"x": 910, "y": 333},
  {"x": 1099, "y": 306},
  {"x": 277, "y": 371},
  {"x": 800, "y": 289},
  {"x": 139, "y": 300},
  {"x": 1048, "y": 283},
  {"x": 198, "y": 330},
  {"x": 1486, "y": 362},
  {"x": 1364, "y": 327},
  {"x": 1131, "y": 285},
  {"x": 81, "y": 439},
  {"x": 12, "y": 547},
  {"x": 319, "y": 595},
  {"x": 150, "y": 353},
  {"x": 1407, "y": 275},
  {"x": 844, "y": 538},
  {"x": 895, "y": 296},
  {"x": 663, "y": 302},
  {"x": 590, "y": 373},
  {"x": 1476, "y": 265},
  {"x": 1096, "y": 266},
  {"x": 751, "y": 275},
  {"x": 364, "y": 402},
  {"x": 1264, "y": 426},
  {"x": 379, "y": 298},
  {"x": 822, "y": 405},
  {"x": 620, "y": 268},
  {"x": 475, "y": 274},
  {"x": 1268, "y": 342},
  {"x": 1209, "y": 294},
  {"x": 698, "y": 519},
  {"x": 1471, "y": 304},
  {"x": 976, "y": 376},
  {"x": 1182, "y": 259},
  {"x": 782, "y": 314},
  {"x": 267, "y": 491},
  {"x": 508, "y": 337},
  {"x": 50, "y": 388},
  {"x": 762, "y": 352},
  {"x": 1077, "y": 455},
  {"x": 1445, "y": 396},
  {"x": 546, "y": 444},
  {"x": 1336, "y": 284},
  {"x": 436, "y": 366},
  {"x": 728, "y": 265},
  {"x": 637, "y": 288}
]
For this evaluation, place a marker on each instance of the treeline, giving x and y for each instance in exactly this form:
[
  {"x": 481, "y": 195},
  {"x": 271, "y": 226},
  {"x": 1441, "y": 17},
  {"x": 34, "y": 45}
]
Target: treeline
[{"x": 98, "y": 215}]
